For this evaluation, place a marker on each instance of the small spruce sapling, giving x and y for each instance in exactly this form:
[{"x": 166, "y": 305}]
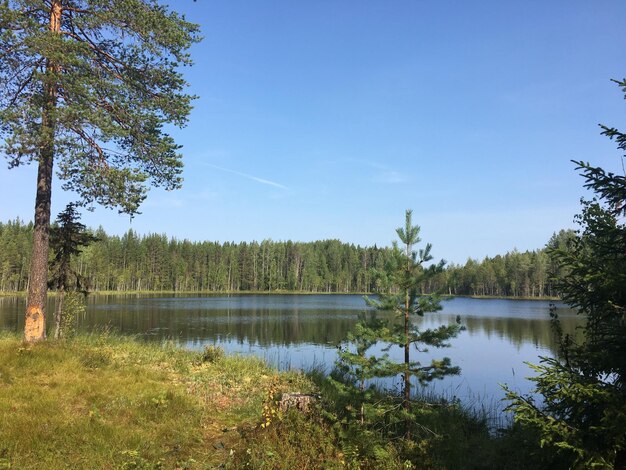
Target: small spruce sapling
[{"x": 68, "y": 237}]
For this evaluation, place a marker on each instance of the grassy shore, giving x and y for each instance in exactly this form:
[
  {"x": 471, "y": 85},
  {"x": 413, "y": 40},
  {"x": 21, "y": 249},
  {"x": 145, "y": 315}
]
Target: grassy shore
[{"x": 111, "y": 402}]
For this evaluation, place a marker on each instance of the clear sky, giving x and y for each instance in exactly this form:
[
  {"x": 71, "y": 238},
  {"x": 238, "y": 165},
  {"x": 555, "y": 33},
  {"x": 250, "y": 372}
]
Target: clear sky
[{"x": 327, "y": 119}]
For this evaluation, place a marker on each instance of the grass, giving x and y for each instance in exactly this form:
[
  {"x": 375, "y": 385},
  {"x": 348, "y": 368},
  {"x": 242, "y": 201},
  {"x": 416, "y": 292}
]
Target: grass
[{"x": 113, "y": 402}]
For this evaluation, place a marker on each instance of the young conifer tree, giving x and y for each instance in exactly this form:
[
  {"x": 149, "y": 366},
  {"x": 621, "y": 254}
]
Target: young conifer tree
[
  {"x": 88, "y": 85},
  {"x": 583, "y": 408},
  {"x": 357, "y": 364},
  {"x": 68, "y": 237},
  {"x": 406, "y": 276}
]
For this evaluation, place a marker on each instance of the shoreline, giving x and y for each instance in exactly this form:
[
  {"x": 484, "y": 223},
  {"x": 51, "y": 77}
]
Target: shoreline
[
  {"x": 157, "y": 405},
  {"x": 276, "y": 292}
]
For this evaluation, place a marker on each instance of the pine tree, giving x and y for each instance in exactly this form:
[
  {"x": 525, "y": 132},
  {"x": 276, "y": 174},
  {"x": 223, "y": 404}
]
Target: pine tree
[
  {"x": 356, "y": 365},
  {"x": 406, "y": 274},
  {"x": 88, "y": 85}
]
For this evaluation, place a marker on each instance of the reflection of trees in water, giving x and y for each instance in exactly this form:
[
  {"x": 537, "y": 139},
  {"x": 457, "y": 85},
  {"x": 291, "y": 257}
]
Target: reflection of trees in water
[
  {"x": 12, "y": 313},
  {"x": 520, "y": 331},
  {"x": 9, "y": 308},
  {"x": 266, "y": 326}
]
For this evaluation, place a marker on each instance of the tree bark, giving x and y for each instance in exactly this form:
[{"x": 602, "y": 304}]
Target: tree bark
[{"x": 35, "y": 320}]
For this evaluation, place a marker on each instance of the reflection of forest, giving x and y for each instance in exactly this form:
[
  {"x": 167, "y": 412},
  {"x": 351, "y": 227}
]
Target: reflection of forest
[
  {"x": 261, "y": 326},
  {"x": 264, "y": 326},
  {"x": 517, "y": 331},
  {"x": 11, "y": 312}
]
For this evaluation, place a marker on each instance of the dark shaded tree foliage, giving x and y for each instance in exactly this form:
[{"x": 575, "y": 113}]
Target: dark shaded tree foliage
[
  {"x": 68, "y": 238},
  {"x": 583, "y": 413},
  {"x": 87, "y": 85}
]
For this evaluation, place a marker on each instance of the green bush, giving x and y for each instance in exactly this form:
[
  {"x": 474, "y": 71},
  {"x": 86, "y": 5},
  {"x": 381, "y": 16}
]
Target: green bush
[{"x": 212, "y": 354}]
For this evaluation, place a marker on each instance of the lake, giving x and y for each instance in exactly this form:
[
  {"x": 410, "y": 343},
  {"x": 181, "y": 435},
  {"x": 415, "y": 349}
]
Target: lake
[{"x": 303, "y": 331}]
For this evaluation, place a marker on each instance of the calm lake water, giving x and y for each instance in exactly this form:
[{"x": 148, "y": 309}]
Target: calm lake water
[{"x": 302, "y": 331}]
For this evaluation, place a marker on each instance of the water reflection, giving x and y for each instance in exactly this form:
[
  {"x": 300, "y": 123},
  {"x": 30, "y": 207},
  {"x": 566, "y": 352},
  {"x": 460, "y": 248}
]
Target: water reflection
[
  {"x": 291, "y": 320},
  {"x": 296, "y": 331}
]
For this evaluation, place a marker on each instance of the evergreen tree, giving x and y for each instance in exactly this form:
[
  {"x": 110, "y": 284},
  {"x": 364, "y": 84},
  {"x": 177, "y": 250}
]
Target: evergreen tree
[
  {"x": 67, "y": 239},
  {"x": 584, "y": 389},
  {"x": 407, "y": 274},
  {"x": 354, "y": 363},
  {"x": 136, "y": 262},
  {"x": 88, "y": 85}
]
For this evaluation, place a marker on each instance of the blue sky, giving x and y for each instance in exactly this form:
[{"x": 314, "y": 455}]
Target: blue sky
[{"x": 327, "y": 119}]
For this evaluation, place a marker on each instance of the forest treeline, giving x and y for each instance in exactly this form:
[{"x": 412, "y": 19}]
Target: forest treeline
[{"x": 157, "y": 263}]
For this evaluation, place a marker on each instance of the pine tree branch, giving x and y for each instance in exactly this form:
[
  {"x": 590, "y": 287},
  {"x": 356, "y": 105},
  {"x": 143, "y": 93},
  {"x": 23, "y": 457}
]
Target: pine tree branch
[
  {"x": 23, "y": 85},
  {"x": 93, "y": 145}
]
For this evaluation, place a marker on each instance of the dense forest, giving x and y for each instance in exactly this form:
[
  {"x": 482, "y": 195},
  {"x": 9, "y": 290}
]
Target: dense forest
[{"x": 157, "y": 263}]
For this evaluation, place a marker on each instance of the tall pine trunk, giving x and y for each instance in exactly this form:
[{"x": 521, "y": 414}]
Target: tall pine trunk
[{"x": 35, "y": 320}]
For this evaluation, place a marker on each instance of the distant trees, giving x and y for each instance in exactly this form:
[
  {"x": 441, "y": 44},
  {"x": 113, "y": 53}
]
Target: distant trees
[
  {"x": 515, "y": 274},
  {"x": 155, "y": 262},
  {"x": 16, "y": 239},
  {"x": 88, "y": 86}
]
